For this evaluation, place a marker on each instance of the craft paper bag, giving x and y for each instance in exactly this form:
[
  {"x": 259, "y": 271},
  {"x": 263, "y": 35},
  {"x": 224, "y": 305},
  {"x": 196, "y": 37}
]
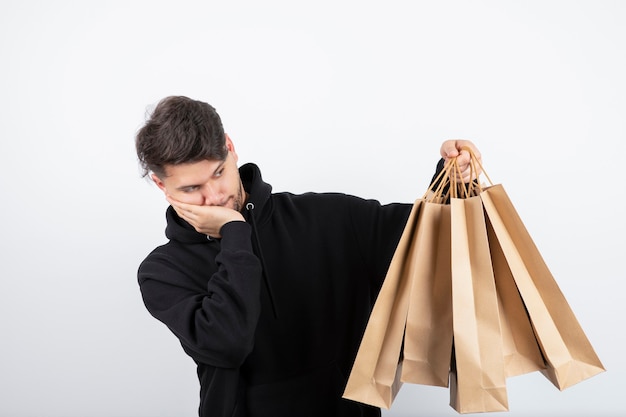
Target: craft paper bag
[
  {"x": 428, "y": 339},
  {"x": 522, "y": 353},
  {"x": 569, "y": 355},
  {"x": 477, "y": 378}
]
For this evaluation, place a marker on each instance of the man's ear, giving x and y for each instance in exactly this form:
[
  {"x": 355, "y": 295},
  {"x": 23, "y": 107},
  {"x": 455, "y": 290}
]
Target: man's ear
[
  {"x": 158, "y": 182},
  {"x": 231, "y": 147}
]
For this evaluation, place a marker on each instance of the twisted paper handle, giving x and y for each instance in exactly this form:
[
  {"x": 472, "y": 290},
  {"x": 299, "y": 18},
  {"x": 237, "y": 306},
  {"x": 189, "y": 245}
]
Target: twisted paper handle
[{"x": 448, "y": 183}]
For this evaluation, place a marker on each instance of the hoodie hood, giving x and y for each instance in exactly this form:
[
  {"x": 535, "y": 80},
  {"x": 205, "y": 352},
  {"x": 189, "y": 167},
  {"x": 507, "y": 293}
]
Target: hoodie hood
[
  {"x": 258, "y": 192},
  {"x": 181, "y": 231}
]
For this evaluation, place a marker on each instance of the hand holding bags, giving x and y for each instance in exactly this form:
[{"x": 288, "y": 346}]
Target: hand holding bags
[{"x": 468, "y": 297}]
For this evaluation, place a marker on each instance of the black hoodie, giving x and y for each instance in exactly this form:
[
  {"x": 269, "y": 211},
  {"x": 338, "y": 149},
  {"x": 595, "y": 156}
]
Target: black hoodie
[{"x": 274, "y": 311}]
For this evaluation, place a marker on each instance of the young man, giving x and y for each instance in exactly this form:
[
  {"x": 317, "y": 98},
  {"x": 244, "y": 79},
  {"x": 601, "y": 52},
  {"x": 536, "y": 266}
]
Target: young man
[{"x": 269, "y": 293}]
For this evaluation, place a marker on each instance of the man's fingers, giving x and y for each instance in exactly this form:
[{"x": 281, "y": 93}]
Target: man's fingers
[
  {"x": 449, "y": 149},
  {"x": 180, "y": 207},
  {"x": 463, "y": 159}
]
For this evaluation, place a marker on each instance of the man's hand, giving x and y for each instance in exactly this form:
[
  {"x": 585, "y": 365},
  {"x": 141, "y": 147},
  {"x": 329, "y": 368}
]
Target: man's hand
[
  {"x": 454, "y": 149},
  {"x": 205, "y": 219}
]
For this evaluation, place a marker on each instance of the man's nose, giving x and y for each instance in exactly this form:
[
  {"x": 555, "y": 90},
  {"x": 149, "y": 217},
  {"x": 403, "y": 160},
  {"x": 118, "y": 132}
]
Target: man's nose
[{"x": 212, "y": 196}]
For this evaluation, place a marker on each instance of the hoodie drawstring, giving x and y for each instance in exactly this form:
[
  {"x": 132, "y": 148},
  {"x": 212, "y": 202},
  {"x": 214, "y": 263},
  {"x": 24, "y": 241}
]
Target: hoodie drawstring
[{"x": 257, "y": 244}]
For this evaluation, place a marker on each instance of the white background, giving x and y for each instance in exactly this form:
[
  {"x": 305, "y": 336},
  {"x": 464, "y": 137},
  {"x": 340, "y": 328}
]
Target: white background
[{"x": 352, "y": 96}]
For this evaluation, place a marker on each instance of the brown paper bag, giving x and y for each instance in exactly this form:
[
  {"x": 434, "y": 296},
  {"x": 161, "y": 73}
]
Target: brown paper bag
[
  {"x": 375, "y": 375},
  {"x": 428, "y": 339},
  {"x": 522, "y": 353},
  {"x": 569, "y": 355},
  {"x": 477, "y": 379}
]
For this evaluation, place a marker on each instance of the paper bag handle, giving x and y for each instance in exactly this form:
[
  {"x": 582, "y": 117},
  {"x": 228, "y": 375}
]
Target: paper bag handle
[
  {"x": 475, "y": 163},
  {"x": 448, "y": 177}
]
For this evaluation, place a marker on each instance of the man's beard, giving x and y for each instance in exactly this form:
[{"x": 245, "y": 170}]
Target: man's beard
[{"x": 238, "y": 200}]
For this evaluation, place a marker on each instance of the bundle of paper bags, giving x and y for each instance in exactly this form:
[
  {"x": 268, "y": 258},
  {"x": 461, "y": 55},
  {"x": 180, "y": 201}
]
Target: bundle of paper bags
[{"x": 468, "y": 301}]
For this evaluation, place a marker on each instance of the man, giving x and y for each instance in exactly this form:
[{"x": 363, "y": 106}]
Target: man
[{"x": 269, "y": 293}]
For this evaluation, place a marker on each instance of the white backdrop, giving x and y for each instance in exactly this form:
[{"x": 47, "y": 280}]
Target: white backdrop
[{"x": 352, "y": 96}]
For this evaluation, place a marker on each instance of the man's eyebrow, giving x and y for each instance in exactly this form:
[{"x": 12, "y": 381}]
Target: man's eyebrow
[{"x": 220, "y": 166}]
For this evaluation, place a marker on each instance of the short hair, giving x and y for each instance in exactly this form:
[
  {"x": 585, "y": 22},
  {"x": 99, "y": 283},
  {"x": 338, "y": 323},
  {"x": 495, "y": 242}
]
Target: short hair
[{"x": 180, "y": 130}]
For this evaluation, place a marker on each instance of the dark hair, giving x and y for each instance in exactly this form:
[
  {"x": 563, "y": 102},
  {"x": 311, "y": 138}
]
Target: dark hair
[{"x": 180, "y": 130}]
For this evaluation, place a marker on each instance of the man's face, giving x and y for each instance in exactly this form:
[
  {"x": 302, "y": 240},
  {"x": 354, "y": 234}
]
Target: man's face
[{"x": 205, "y": 183}]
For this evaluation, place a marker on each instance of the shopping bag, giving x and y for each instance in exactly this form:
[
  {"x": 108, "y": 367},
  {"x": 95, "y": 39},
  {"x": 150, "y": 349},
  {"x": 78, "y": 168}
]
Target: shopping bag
[
  {"x": 428, "y": 339},
  {"x": 522, "y": 354},
  {"x": 477, "y": 377},
  {"x": 570, "y": 357},
  {"x": 375, "y": 375}
]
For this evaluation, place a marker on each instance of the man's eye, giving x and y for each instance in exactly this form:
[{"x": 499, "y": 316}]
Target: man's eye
[
  {"x": 219, "y": 173},
  {"x": 190, "y": 189}
]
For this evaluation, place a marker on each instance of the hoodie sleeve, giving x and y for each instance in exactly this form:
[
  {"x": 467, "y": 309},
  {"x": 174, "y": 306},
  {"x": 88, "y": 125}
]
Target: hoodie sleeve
[
  {"x": 379, "y": 228},
  {"x": 215, "y": 323}
]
